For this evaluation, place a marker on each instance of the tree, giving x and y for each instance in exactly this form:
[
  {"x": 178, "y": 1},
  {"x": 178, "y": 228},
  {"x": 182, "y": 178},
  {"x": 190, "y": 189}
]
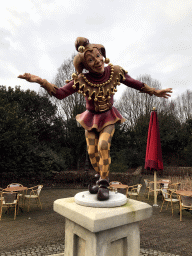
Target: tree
[
  {"x": 27, "y": 124},
  {"x": 187, "y": 142},
  {"x": 73, "y": 104},
  {"x": 133, "y": 104},
  {"x": 68, "y": 108},
  {"x": 183, "y": 105},
  {"x": 136, "y": 108}
]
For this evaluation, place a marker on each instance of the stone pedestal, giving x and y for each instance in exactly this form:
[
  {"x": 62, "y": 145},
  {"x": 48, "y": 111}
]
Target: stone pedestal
[{"x": 102, "y": 231}]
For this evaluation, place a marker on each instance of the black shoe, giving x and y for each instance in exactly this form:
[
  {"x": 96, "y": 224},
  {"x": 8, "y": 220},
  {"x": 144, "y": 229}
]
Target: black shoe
[
  {"x": 93, "y": 189},
  {"x": 103, "y": 192}
]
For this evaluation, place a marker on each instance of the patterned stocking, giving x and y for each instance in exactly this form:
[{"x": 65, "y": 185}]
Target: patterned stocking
[{"x": 104, "y": 145}]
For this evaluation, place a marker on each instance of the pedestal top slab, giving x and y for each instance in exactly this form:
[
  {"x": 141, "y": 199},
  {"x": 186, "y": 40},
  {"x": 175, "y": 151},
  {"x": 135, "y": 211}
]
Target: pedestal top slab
[
  {"x": 99, "y": 219},
  {"x": 90, "y": 200}
]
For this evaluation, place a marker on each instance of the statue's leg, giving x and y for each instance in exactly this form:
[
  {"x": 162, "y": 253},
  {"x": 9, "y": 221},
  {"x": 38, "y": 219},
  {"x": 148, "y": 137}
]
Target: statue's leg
[
  {"x": 104, "y": 145},
  {"x": 92, "y": 148}
]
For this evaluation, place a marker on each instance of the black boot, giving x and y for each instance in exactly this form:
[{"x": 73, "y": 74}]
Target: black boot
[
  {"x": 103, "y": 192},
  {"x": 93, "y": 189}
]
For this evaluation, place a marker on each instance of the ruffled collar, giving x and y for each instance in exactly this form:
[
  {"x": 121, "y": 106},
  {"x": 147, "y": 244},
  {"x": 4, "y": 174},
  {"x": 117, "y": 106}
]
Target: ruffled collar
[{"x": 99, "y": 78}]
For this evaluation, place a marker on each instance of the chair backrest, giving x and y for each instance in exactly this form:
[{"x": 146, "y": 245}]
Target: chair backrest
[
  {"x": 186, "y": 200},
  {"x": 151, "y": 185},
  {"x": 139, "y": 188},
  {"x": 39, "y": 187},
  {"x": 9, "y": 197},
  {"x": 146, "y": 183},
  {"x": 166, "y": 180},
  {"x": 15, "y": 185},
  {"x": 175, "y": 186},
  {"x": 115, "y": 182},
  {"x": 164, "y": 193},
  {"x": 1, "y": 191}
]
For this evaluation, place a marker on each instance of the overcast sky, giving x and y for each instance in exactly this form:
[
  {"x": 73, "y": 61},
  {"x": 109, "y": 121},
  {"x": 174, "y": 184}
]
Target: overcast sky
[{"x": 144, "y": 37}]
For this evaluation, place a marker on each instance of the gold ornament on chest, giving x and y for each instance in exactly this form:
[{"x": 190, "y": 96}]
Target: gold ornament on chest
[{"x": 100, "y": 92}]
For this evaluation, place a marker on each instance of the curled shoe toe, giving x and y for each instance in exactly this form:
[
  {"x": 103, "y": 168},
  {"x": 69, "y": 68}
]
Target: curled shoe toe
[
  {"x": 93, "y": 189},
  {"x": 103, "y": 194}
]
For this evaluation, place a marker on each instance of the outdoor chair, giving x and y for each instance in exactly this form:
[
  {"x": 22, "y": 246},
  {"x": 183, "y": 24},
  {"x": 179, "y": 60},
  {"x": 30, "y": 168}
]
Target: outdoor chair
[
  {"x": 134, "y": 190},
  {"x": 174, "y": 186},
  {"x": 147, "y": 186},
  {"x": 21, "y": 193},
  {"x": 151, "y": 188},
  {"x": 114, "y": 182},
  {"x": 171, "y": 198},
  {"x": 33, "y": 193},
  {"x": 185, "y": 204},
  {"x": 15, "y": 185},
  {"x": 1, "y": 191},
  {"x": 8, "y": 200}
]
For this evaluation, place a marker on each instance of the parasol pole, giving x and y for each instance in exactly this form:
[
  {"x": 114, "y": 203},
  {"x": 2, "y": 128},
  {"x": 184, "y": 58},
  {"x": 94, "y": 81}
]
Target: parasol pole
[
  {"x": 155, "y": 181},
  {"x": 155, "y": 189}
]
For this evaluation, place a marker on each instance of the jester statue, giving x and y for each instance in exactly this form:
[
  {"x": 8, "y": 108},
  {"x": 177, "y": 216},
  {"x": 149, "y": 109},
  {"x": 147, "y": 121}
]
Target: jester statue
[{"x": 97, "y": 82}]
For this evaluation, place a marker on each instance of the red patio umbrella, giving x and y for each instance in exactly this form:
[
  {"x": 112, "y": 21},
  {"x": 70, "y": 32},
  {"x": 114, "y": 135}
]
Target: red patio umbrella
[{"x": 153, "y": 159}]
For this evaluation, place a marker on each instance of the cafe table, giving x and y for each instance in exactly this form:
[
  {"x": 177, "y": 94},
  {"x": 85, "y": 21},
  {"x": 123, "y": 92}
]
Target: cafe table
[
  {"x": 120, "y": 186},
  {"x": 184, "y": 192},
  {"x": 15, "y": 189}
]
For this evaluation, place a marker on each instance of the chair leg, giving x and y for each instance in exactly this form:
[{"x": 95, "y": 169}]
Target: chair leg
[
  {"x": 172, "y": 208},
  {"x": 28, "y": 204},
  {"x": 167, "y": 205},
  {"x": 162, "y": 205},
  {"x": 40, "y": 203},
  {"x": 1, "y": 210},
  {"x": 15, "y": 212},
  {"x": 180, "y": 213}
]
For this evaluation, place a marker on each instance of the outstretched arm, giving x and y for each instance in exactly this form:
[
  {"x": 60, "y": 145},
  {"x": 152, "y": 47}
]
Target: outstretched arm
[
  {"x": 51, "y": 88},
  {"x": 164, "y": 93},
  {"x": 142, "y": 87},
  {"x": 31, "y": 78}
]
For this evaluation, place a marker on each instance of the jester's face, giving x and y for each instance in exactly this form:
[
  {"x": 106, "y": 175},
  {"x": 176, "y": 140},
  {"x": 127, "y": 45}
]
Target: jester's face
[{"x": 94, "y": 61}]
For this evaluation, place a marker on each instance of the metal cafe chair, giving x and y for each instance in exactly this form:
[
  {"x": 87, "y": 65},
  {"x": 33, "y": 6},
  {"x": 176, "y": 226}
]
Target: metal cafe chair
[
  {"x": 151, "y": 188},
  {"x": 185, "y": 204},
  {"x": 8, "y": 200},
  {"x": 146, "y": 186},
  {"x": 21, "y": 194},
  {"x": 134, "y": 190},
  {"x": 171, "y": 198},
  {"x": 33, "y": 193}
]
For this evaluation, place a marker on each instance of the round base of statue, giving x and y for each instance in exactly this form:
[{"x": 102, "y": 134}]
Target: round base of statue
[{"x": 90, "y": 200}]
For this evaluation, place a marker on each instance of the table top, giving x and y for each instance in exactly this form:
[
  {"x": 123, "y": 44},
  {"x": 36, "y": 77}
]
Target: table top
[
  {"x": 184, "y": 193},
  {"x": 118, "y": 186},
  {"x": 15, "y": 189}
]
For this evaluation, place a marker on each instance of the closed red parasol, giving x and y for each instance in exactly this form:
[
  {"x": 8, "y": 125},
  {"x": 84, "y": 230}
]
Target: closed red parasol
[{"x": 153, "y": 159}]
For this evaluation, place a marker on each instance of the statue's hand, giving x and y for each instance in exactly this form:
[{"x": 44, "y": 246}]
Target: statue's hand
[
  {"x": 31, "y": 78},
  {"x": 165, "y": 93}
]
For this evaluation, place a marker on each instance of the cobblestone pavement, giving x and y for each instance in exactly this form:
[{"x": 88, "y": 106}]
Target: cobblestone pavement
[{"x": 58, "y": 249}]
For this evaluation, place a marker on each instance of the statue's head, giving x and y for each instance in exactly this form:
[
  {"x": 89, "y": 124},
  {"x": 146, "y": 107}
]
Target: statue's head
[{"x": 90, "y": 56}]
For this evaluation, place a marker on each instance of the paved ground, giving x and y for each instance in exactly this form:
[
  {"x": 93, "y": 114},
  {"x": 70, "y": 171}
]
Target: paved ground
[{"x": 41, "y": 232}]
